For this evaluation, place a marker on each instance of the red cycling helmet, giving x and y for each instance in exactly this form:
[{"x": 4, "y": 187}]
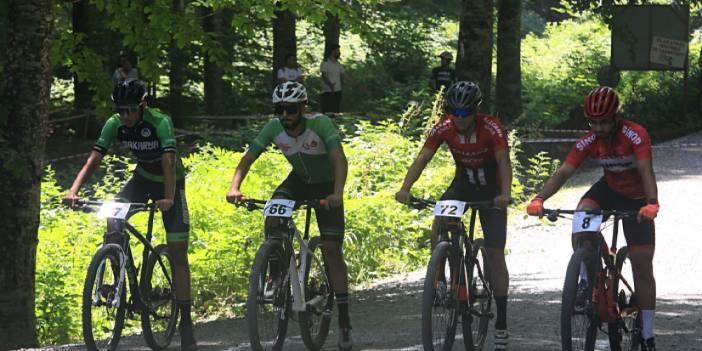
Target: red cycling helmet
[{"x": 601, "y": 103}]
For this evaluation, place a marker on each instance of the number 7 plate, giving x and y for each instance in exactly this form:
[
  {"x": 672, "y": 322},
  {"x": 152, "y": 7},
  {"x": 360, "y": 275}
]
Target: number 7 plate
[
  {"x": 583, "y": 222},
  {"x": 116, "y": 210},
  {"x": 279, "y": 208},
  {"x": 450, "y": 208}
]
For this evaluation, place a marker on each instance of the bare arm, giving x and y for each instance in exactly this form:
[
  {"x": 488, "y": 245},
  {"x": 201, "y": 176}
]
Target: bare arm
[
  {"x": 413, "y": 173},
  {"x": 341, "y": 169},
  {"x": 504, "y": 168},
  {"x": 85, "y": 172},
  {"x": 234, "y": 195},
  {"x": 169, "y": 181},
  {"x": 556, "y": 181},
  {"x": 648, "y": 178}
]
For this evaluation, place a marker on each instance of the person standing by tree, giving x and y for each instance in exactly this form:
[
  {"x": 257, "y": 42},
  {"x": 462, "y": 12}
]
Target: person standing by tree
[
  {"x": 291, "y": 71},
  {"x": 159, "y": 176},
  {"x": 444, "y": 75},
  {"x": 332, "y": 73},
  {"x": 124, "y": 71}
]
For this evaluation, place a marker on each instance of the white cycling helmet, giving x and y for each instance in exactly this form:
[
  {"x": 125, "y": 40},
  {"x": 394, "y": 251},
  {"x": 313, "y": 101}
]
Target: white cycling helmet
[{"x": 289, "y": 92}]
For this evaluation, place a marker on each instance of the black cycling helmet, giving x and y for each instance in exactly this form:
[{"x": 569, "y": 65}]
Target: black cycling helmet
[
  {"x": 463, "y": 94},
  {"x": 128, "y": 94}
]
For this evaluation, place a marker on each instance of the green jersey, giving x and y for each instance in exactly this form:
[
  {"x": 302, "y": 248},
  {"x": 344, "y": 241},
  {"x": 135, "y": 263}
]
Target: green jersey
[
  {"x": 148, "y": 140},
  {"x": 308, "y": 153}
]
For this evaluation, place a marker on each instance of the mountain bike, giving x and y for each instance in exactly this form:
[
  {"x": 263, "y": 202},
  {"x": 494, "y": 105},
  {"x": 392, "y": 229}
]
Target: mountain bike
[
  {"x": 607, "y": 296},
  {"x": 285, "y": 283},
  {"x": 455, "y": 283},
  {"x": 112, "y": 269}
]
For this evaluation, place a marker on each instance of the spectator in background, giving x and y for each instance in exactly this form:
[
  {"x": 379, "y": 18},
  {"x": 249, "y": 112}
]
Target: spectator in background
[
  {"x": 124, "y": 71},
  {"x": 291, "y": 71},
  {"x": 443, "y": 75},
  {"x": 332, "y": 73}
]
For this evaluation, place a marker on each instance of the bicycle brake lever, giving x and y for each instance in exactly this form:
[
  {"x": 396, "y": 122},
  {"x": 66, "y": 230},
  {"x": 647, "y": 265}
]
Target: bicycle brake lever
[{"x": 552, "y": 216}]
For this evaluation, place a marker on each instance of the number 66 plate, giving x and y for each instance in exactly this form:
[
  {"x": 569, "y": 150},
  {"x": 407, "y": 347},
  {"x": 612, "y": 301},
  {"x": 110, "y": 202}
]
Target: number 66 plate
[
  {"x": 450, "y": 208},
  {"x": 279, "y": 208},
  {"x": 583, "y": 222}
]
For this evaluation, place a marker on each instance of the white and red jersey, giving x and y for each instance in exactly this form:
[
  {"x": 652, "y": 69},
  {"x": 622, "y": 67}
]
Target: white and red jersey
[
  {"x": 474, "y": 153},
  {"x": 617, "y": 156}
]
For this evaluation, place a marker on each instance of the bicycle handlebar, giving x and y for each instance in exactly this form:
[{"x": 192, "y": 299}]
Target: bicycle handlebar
[
  {"x": 553, "y": 214},
  {"x": 93, "y": 206},
  {"x": 256, "y": 204},
  {"x": 420, "y": 204}
]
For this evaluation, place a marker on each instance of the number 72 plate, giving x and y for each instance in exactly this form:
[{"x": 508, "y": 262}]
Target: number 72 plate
[{"x": 450, "y": 208}]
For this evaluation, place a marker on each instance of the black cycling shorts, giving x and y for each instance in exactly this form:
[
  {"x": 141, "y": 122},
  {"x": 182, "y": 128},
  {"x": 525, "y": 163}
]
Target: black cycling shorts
[
  {"x": 638, "y": 235},
  {"x": 330, "y": 222},
  {"x": 493, "y": 221},
  {"x": 176, "y": 220}
]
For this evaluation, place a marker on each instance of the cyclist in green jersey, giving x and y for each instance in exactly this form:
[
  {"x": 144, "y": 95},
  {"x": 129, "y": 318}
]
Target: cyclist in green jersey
[
  {"x": 159, "y": 176},
  {"x": 312, "y": 145}
]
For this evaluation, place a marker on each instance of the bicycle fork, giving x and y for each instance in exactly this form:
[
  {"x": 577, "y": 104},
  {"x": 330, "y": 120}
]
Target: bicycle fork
[
  {"x": 297, "y": 275},
  {"x": 120, "y": 281}
]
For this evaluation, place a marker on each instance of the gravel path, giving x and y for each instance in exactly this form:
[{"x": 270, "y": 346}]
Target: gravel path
[{"x": 386, "y": 314}]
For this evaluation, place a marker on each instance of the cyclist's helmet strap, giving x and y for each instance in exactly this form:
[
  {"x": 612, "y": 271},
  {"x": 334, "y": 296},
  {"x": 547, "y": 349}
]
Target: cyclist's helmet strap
[
  {"x": 289, "y": 92},
  {"x": 131, "y": 92},
  {"x": 463, "y": 94},
  {"x": 601, "y": 102}
]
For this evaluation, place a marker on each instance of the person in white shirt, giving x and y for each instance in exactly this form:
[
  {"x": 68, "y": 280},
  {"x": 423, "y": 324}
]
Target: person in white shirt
[
  {"x": 291, "y": 71},
  {"x": 124, "y": 71},
  {"x": 332, "y": 73}
]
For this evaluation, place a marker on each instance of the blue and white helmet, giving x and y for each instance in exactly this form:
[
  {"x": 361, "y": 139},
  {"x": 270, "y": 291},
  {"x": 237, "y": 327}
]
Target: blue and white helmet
[{"x": 289, "y": 92}]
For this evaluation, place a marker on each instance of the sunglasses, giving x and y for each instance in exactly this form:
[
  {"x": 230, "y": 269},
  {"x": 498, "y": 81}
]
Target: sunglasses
[
  {"x": 289, "y": 109},
  {"x": 462, "y": 112}
]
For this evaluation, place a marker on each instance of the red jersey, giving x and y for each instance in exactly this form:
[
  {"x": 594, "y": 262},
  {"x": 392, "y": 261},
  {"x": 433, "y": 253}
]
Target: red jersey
[
  {"x": 617, "y": 157},
  {"x": 474, "y": 153}
]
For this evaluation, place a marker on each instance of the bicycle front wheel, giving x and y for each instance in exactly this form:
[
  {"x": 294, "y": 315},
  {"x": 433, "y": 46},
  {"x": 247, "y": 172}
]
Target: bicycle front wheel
[
  {"x": 476, "y": 317},
  {"x": 158, "y": 320},
  {"x": 268, "y": 302},
  {"x": 319, "y": 298},
  {"x": 624, "y": 335},
  {"x": 104, "y": 304},
  {"x": 578, "y": 313},
  {"x": 440, "y": 307}
]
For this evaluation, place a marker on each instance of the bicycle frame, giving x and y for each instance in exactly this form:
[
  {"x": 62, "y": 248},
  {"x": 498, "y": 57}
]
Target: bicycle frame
[
  {"x": 127, "y": 261},
  {"x": 603, "y": 295}
]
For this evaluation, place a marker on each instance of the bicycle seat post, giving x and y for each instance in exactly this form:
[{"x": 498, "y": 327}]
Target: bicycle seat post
[
  {"x": 308, "y": 214},
  {"x": 615, "y": 232}
]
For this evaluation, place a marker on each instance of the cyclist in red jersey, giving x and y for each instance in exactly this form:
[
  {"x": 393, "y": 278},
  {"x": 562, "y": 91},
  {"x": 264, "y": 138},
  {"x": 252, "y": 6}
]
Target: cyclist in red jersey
[
  {"x": 478, "y": 144},
  {"x": 623, "y": 149}
]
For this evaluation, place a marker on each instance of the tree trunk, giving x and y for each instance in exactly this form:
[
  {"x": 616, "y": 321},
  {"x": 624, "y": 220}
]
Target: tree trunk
[
  {"x": 332, "y": 31},
  {"x": 214, "y": 84},
  {"x": 85, "y": 17},
  {"x": 177, "y": 74},
  {"x": 509, "y": 77},
  {"x": 25, "y": 90},
  {"x": 284, "y": 39},
  {"x": 475, "y": 40}
]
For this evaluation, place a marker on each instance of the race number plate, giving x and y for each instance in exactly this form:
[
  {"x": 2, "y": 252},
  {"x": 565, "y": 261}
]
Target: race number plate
[
  {"x": 279, "y": 208},
  {"x": 583, "y": 222},
  {"x": 116, "y": 210},
  {"x": 450, "y": 208}
]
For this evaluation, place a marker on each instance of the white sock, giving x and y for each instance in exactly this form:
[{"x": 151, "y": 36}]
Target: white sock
[
  {"x": 583, "y": 271},
  {"x": 647, "y": 317}
]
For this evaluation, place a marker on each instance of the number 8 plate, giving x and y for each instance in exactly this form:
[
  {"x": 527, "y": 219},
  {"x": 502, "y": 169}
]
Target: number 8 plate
[
  {"x": 583, "y": 222},
  {"x": 279, "y": 208},
  {"x": 450, "y": 208}
]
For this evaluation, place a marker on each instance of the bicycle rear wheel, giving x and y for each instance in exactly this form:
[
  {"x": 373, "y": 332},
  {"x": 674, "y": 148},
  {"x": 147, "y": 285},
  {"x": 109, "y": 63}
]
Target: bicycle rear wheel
[
  {"x": 625, "y": 334},
  {"x": 579, "y": 318},
  {"x": 268, "y": 302},
  {"x": 102, "y": 310},
  {"x": 158, "y": 320},
  {"x": 319, "y": 299},
  {"x": 440, "y": 308},
  {"x": 476, "y": 317}
]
